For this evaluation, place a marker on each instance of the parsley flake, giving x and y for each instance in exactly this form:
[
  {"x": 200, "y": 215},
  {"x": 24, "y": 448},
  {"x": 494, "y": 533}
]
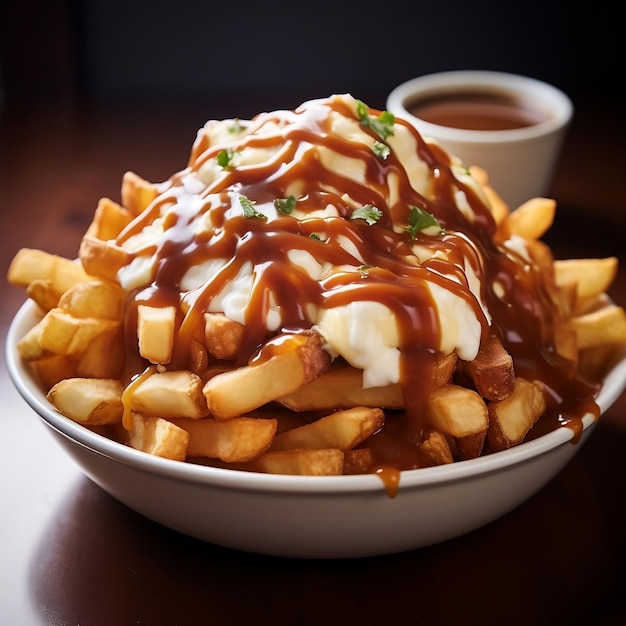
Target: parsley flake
[
  {"x": 381, "y": 125},
  {"x": 367, "y": 212},
  {"x": 225, "y": 157},
  {"x": 381, "y": 150},
  {"x": 285, "y": 205},
  {"x": 236, "y": 127},
  {"x": 421, "y": 220},
  {"x": 249, "y": 211}
]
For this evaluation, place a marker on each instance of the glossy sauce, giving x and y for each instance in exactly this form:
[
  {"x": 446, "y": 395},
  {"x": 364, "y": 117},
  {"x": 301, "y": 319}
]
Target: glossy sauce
[
  {"x": 523, "y": 318},
  {"x": 478, "y": 111}
]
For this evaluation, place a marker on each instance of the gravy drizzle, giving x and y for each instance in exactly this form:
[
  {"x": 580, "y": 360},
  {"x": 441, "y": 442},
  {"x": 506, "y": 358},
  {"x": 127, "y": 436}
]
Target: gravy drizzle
[{"x": 209, "y": 225}]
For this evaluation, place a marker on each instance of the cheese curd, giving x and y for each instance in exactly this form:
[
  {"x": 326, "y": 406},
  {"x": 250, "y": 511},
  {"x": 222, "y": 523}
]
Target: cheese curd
[{"x": 261, "y": 226}]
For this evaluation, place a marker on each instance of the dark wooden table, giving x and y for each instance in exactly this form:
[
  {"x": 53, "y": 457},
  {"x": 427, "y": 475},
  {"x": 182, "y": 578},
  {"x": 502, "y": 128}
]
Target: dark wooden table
[{"x": 70, "y": 554}]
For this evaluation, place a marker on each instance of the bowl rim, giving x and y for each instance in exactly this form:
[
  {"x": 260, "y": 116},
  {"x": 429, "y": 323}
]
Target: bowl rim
[
  {"x": 437, "y": 83},
  {"x": 27, "y": 387}
]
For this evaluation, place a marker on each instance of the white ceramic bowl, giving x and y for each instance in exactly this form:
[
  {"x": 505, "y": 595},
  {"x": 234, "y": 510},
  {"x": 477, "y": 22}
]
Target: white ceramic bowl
[{"x": 308, "y": 517}]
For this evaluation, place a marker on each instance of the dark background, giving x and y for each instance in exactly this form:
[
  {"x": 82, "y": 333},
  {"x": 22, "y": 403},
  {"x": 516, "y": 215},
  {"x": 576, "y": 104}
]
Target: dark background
[{"x": 186, "y": 49}]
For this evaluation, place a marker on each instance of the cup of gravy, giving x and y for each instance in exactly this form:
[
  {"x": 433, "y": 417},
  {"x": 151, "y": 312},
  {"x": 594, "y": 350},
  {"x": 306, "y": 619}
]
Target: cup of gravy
[{"x": 512, "y": 126}]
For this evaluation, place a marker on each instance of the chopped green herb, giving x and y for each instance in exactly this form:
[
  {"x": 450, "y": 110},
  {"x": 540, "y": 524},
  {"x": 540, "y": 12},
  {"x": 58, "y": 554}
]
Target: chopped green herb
[
  {"x": 236, "y": 127},
  {"x": 315, "y": 236},
  {"x": 381, "y": 150},
  {"x": 285, "y": 205},
  {"x": 248, "y": 208},
  {"x": 367, "y": 212},
  {"x": 381, "y": 125},
  {"x": 224, "y": 157},
  {"x": 420, "y": 220}
]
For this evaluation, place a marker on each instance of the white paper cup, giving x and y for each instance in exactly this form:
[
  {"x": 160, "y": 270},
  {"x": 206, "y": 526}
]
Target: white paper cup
[{"x": 519, "y": 161}]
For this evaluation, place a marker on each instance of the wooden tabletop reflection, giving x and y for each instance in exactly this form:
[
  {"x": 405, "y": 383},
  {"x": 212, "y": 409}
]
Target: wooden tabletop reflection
[{"x": 73, "y": 555}]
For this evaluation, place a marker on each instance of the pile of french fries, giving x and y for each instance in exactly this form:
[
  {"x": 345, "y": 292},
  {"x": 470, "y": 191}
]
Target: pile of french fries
[{"x": 293, "y": 411}]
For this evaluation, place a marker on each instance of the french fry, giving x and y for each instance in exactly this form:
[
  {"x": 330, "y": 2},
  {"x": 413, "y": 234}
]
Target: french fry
[
  {"x": 566, "y": 341},
  {"x": 63, "y": 333},
  {"x": 96, "y": 298},
  {"x": 155, "y": 332},
  {"x": 492, "y": 370},
  {"x": 342, "y": 387},
  {"x": 457, "y": 411},
  {"x": 30, "y": 264},
  {"x": 92, "y": 401},
  {"x": 90, "y": 362},
  {"x": 591, "y": 276},
  {"x": 605, "y": 326},
  {"x": 317, "y": 462},
  {"x": 53, "y": 369},
  {"x": 236, "y": 392},
  {"x": 43, "y": 292},
  {"x": 531, "y": 219},
  {"x": 434, "y": 449},
  {"x": 170, "y": 394},
  {"x": 102, "y": 259},
  {"x": 109, "y": 220},
  {"x": 343, "y": 430},
  {"x": 594, "y": 363},
  {"x": 511, "y": 419},
  {"x": 157, "y": 436},
  {"x": 137, "y": 193},
  {"x": 237, "y": 440},
  {"x": 470, "y": 446},
  {"x": 29, "y": 345},
  {"x": 358, "y": 461},
  {"x": 223, "y": 336}
]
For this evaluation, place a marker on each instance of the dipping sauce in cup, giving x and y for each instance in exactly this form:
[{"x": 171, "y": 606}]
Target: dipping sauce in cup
[{"x": 510, "y": 125}]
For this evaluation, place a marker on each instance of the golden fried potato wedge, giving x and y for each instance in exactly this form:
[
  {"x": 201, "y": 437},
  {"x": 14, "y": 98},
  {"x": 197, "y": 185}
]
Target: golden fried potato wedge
[
  {"x": 358, "y": 461},
  {"x": 342, "y": 387},
  {"x": 102, "y": 259},
  {"x": 55, "y": 368},
  {"x": 532, "y": 219},
  {"x": 604, "y": 326},
  {"x": 96, "y": 298},
  {"x": 44, "y": 293},
  {"x": 109, "y": 219},
  {"x": 137, "y": 193},
  {"x": 92, "y": 401},
  {"x": 591, "y": 276},
  {"x": 470, "y": 446},
  {"x": 155, "y": 332},
  {"x": 457, "y": 411},
  {"x": 170, "y": 394},
  {"x": 222, "y": 336},
  {"x": 29, "y": 345},
  {"x": 492, "y": 370},
  {"x": 299, "y": 360},
  {"x": 157, "y": 436},
  {"x": 319, "y": 462},
  {"x": 511, "y": 419},
  {"x": 343, "y": 430},
  {"x": 435, "y": 449},
  {"x": 236, "y": 440},
  {"x": 63, "y": 333},
  {"x": 30, "y": 264}
]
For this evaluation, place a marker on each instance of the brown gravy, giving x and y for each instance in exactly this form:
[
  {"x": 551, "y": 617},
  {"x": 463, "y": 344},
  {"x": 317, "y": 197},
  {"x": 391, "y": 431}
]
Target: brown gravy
[{"x": 478, "y": 111}]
